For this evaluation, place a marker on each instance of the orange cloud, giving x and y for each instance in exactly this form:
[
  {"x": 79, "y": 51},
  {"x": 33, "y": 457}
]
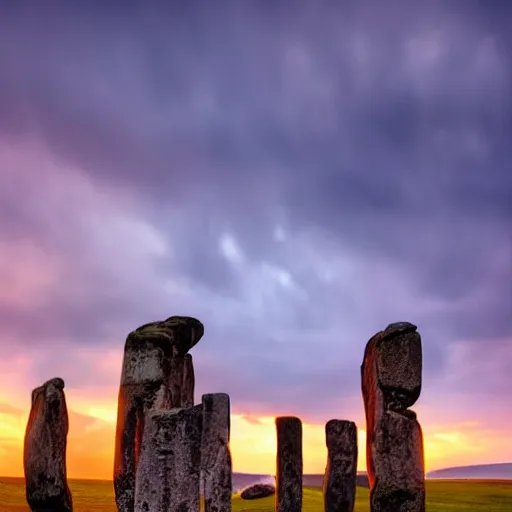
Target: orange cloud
[{"x": 253, "y": 440}]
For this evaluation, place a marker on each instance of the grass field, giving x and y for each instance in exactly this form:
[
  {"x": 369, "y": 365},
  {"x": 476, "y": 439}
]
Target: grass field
[{"x": 442, "y": 496}]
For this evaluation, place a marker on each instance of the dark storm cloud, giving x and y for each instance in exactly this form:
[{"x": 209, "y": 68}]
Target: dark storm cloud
[{"x": 378, "y": 136}]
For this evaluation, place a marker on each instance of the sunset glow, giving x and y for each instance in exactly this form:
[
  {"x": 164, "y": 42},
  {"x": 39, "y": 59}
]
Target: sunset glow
[{"x": 253, "y": 444}]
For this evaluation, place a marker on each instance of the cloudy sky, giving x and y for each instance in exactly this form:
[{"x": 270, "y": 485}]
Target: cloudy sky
[{"x": 297, "y": 175}]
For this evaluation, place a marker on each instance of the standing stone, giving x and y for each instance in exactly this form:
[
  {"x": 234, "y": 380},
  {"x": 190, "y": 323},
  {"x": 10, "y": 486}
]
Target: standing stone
[
  {"x": 289, "y": 464},
  {"x": 169, "y": 466},
  {"x": 155, "y": 358},
  {"x": 341, "y": 471},
  {"x": 44, "y": 457},
  {"x": 216, "y": 458},
  {"x": 391, "y": 383}
]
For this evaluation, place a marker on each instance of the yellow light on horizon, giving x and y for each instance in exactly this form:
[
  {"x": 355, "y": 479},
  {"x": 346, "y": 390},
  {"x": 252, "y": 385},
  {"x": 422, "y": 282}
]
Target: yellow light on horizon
[
  {"x": 101, "y": 413},
  {"x": 253, "y": 443}
]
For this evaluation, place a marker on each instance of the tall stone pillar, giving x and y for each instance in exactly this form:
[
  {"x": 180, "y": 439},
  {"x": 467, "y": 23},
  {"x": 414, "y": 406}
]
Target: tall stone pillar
[
  {"x": 44, "y": 455},
  {"x": 155, "y": 367},
  {"x": 289, "y": 464},
  {"x": 216, "y": 457},
  {"x": 391, "y": 383},
  {"x": 341, "y": 470},
  {"x": 169, "y": 465}
]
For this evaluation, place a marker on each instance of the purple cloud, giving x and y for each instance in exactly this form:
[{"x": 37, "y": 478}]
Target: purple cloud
[{"x": 297, "y": 178}]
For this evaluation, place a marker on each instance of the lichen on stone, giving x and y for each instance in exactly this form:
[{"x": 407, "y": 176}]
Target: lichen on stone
[{"x": 181, "y": 332}]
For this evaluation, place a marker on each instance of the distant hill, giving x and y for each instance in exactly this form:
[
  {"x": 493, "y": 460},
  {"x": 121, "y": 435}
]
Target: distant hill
[
  {"x": 241, "y": 480},
  {"x": 494, "y": 471},
  {"x": 482, "y": 471}
]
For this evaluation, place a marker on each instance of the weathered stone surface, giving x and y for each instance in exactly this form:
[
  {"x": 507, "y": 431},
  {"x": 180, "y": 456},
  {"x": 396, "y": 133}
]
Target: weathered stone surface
[
  {"x": 257, "y": 491},
  {"x": 391, "y": 382},
  {"x": 44, "y": 456},
  {"x": 181, "y": 382},
  {"x": 157, "y": 374},
  {"x": 289, "y": 464},
  {"x": 399, "y": 465},
  {"x": 169, "y": 465},
  {"x": 179, "y": 332},
  {"x": 216, "y": 457},
  {"x": 189, "y": 380},
  {"x": 341, "y": 470}
]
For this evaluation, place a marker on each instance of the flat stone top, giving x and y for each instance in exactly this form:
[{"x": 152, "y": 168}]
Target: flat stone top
[
  {"x": 287, "y": 420},
  {"x": 179, "y": 332},
  {"x": 340, "y": 423},
  {"x": 170, "y": 417}
]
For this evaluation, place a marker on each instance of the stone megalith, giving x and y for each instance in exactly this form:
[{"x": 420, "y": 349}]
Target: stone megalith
[
  {"x": 44, "y": 455},
  {"x": 157, "y": 374},
  {"x": 341, "y": 470},
  {"x": 289, "y": 464},
  {"x": 391, "y": 383},
  {"x": 169, "y": 466},
  {"x": 257, "y": 491},
  {"x": 216, "y": 463}
]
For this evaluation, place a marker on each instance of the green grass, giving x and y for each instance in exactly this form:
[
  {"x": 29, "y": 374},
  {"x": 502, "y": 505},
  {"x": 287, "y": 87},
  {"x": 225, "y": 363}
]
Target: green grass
[{"x": 442, "y": 496}]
